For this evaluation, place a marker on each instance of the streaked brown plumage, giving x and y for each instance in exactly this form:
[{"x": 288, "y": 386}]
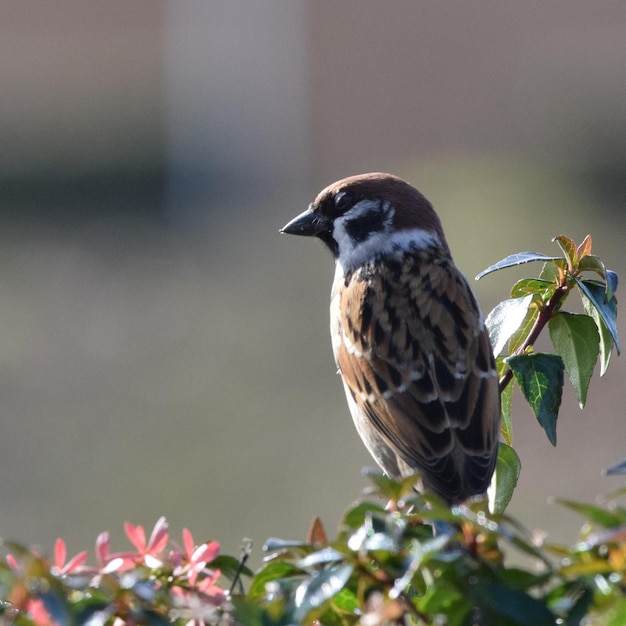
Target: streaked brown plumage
[{"x": 408, "y": 336}]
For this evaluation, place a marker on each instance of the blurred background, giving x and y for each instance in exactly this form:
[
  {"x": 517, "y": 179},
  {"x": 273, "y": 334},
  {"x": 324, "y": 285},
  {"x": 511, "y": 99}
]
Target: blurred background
[{"x": 163, "y": 351}]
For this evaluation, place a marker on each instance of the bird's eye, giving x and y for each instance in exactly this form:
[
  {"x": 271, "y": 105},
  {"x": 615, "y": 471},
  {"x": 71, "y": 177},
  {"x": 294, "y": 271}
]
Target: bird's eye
[{"x": 342, "y": 200}]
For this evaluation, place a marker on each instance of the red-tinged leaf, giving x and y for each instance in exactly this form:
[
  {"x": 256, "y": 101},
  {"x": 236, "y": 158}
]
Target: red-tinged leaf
[
  {"x": 569, "y": 250},
  {"x": 317, "y": 533},
  {"x": 584, "y": 249},
  {"x": 540, "y": 377},
  {"x": 576, "y": 340},
  {"x": 504, "y": 480},
  {"x": 504, "y": 320},
  {"x": 512, "y": 260}
]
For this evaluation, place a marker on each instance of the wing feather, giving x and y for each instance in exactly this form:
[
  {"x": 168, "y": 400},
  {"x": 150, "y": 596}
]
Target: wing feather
[{"x": 414, "y": 354}]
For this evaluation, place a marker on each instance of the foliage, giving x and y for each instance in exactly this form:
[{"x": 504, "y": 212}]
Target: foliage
[
  {"x": 415, "y": 561},
  {"x": 159, "y": 582}
]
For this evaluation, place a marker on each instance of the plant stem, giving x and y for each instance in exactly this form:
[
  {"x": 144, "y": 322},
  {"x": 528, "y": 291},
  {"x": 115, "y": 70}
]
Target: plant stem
[{"x": 551, "y": 306}]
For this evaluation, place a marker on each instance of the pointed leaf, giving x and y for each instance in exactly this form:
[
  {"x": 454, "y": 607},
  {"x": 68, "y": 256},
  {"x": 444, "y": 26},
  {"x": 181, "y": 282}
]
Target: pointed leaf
[
  {"x": 592, "y": 263},
  {"x": 607, "y": 309},
  {"x": 595, "y": 514},
  {"x": 540, "y": 377},
  {"x": 577, "y": 341},
  {"x": 519, "y": 337},
  {"x": 270, "y": 573},
  {"x": 505, "y": 479},
  {"x": 314, "y": 591},
  {"x": 323, "y": 556},
  {"x": 504, "y": 603},
  {"x": 355, "y": 517},
  {"x": 534, "y": 286},
  {"x": 569, "y": 250},
  {"x": 614, "y": 470},
  {"x": 612, "y": 280},
  {"x": 506, "y": 427},
  {"x": 317, "y": 533},
  {"x": 554, "y": 270},
  {"x": 505, "y": 319},
  {"x": 584, "y": 249},
  {"x": 512, "y": 260},
  {"x": 606, "y": 340}
]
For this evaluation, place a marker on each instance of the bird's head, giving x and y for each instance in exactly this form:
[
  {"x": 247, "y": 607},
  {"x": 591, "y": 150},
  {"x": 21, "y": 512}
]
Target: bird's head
[{"x": 364, "y": 217}]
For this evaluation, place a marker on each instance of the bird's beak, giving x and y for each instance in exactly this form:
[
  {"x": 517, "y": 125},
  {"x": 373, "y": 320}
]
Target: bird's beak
[{"x": 309, "y": 224}]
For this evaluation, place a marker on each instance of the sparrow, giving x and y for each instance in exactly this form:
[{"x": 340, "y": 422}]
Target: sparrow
[{"x": 408, "y": 336}]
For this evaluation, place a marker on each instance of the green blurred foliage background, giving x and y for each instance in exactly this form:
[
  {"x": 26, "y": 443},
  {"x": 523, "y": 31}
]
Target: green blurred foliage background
[{"x": 162, "y": 349}]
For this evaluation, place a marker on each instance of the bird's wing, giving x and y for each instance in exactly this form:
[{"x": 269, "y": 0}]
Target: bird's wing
[{"x": 415, "y": 356}]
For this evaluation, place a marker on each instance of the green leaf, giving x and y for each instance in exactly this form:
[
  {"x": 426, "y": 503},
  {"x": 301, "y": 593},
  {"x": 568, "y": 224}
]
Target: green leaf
[
  {"x": 615, "y": 614},
  {"x": 606, "y": 339},
  {"x": 355, "y": 517},
  {"x": 582, "y": 600},
  {"x": 323, "y": 556},
  {"x": 607, "y": 309},
  {"x": 504, "y": 320},
  {"x": 505, "y": 479},
  {"x": 522, "y": 579},
  {"x": 319, "y": 588},
  {"x": 391, "y": 488},
  {"x": 540, "y": 377},
  {"x": 612, "y": 280},
  {"x": 512, "y": 260},
  {"x": 594, "y": 514},
  {"x": 576, "y": 339},
  {"x": 533, "y": 286},
  {"x": 592, "y": 263},
  {"x": 506, "y": 425},
  {"x": 552, "y": 270},
  {"x": 269, "y": 573},
  {"x": 520, "y": 336},
  {"x": 502, "y": 602},
  {"x": 229, "y": 566}
]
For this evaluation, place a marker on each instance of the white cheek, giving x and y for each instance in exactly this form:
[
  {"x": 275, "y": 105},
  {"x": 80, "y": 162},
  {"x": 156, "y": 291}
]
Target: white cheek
[{"x": 352, "y": 254}]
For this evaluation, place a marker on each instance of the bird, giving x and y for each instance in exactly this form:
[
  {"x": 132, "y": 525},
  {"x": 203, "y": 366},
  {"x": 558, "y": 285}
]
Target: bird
[{"x": 408, "y": 336}]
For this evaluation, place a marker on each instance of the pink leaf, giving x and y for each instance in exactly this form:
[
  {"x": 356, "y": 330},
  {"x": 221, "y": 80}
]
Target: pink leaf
[
  {"x": 206, "y": 552},
  {"x": 136, "y": 536},
  {"x": 75, "y": 562},
  {"x": 59, "y": 553},
  {"x": 188, "y": 542},
  {"x": 102, "y": 548},
  {"x": 159, "y": 536},
  {"x": 12, "y": 563}
]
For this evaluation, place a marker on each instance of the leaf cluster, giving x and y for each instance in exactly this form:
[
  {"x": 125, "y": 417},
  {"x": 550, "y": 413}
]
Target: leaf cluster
[
  {"x": 386, "y": 567},
  {"x": 580, "y": 340}
]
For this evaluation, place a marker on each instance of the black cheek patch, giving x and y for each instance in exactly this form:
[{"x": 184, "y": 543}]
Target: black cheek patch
[{"x": 360, "y": 228}]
